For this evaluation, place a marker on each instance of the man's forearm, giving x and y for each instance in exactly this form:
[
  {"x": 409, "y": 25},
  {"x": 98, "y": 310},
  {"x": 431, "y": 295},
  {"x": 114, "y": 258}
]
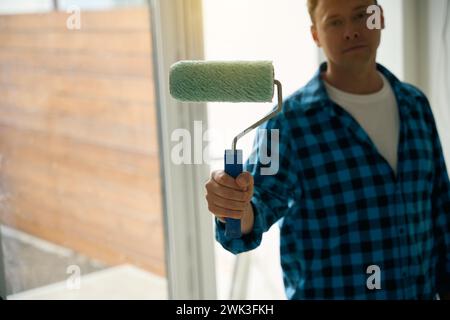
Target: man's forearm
[{"x": 247, "y": 221}]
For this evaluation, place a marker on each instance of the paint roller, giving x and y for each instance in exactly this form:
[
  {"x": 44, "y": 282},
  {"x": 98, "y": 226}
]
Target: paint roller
[{"x": 227, "y": 81}]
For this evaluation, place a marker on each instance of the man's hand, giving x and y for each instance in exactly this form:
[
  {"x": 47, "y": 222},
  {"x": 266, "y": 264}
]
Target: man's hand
[{"x": 230, "y": 198}]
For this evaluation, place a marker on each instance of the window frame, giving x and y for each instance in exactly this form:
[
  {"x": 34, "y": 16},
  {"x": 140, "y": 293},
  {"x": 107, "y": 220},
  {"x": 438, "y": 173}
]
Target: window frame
[{"x": 178, "y": 35}]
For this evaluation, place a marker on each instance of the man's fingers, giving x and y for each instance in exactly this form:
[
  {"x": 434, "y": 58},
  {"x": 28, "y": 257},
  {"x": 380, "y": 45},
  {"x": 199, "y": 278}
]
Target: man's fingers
[
  {"x": 245, "y": 180},
  {"x": 225, "y": 213},
  {"x": 226, "y": 203},
  {"x": 228, "y": 193},
  {"x": 222, "y": 178},
  {"x": 226, "y": 198}
]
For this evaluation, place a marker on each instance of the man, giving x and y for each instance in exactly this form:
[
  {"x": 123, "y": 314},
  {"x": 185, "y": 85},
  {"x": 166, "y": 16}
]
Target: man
[{"x": 362, "y": 186}]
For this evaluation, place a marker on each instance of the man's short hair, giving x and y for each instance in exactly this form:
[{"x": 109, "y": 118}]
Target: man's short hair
[{"x": 312, "y": 5}]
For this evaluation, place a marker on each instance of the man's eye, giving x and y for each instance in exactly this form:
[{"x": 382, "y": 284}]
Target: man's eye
[
  {"x": 335, "y": 23},
  {"x": 361, "y": 15}
]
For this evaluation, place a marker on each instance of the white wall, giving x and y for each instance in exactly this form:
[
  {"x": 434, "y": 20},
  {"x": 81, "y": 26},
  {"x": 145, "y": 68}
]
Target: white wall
[
  {"x": 276, "y": 30},
  {"x": 437, "y": 66},
  {"x": 390, "y": 52}
]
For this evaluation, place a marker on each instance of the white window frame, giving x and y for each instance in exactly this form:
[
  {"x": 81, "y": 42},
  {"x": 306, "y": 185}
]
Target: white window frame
[
  {"x": 178, "y": 35},
  {"x": 2, "y": 272}
]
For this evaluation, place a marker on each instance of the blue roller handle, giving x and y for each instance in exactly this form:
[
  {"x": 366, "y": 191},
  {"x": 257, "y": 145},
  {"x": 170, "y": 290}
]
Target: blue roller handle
[{"x": 233, "y": 167}]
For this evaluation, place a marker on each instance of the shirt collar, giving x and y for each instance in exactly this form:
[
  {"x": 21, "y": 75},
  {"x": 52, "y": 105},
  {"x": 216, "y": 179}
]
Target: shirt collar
[{"x": 316, "y": 96}]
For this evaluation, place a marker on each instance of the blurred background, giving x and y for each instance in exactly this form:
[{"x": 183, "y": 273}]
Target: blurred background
[
  {"x": 80, "y": 183},
  {"x": 92, "y": 205}
]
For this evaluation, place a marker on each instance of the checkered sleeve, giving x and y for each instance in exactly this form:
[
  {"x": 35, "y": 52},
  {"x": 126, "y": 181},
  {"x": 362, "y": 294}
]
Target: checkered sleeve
[
  {"x": 441, "y": 208},
  {"x": 274, "y": 183}
]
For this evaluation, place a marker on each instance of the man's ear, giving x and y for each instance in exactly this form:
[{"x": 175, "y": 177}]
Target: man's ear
[{"x": 314, "y": 35}]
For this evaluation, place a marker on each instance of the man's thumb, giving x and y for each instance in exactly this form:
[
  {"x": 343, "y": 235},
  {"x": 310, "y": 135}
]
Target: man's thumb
[{"x": 243, "y": 180}]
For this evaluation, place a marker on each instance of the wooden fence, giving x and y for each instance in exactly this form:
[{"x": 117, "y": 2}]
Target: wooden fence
[{"x": 78, "y": 134}]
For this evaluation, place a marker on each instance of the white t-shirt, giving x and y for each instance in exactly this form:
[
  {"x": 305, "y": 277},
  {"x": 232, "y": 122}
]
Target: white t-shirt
[{"x": 377, "y": 114}]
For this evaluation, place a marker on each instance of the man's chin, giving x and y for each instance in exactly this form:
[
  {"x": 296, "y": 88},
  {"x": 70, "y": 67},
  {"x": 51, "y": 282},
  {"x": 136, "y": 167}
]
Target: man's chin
[{"x": 357, "y": 60}]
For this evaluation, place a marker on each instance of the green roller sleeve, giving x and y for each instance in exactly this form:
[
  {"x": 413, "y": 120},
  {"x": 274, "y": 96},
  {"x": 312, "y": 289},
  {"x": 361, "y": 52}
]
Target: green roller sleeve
[{"x": 222, "y": 81}]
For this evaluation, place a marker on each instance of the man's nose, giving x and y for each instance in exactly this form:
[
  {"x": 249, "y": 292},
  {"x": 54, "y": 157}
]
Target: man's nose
[{"x": 351, "y": 35}]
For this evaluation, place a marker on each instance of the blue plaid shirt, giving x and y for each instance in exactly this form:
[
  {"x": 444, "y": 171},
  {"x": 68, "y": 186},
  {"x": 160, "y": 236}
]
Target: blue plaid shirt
[{"x": 341, "y": 208}]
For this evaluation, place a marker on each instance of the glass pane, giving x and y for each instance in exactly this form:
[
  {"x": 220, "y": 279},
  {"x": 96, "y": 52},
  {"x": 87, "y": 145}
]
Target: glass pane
[
  {"x": 80, "y": 190},
  {"x": 279, "y": 31}
]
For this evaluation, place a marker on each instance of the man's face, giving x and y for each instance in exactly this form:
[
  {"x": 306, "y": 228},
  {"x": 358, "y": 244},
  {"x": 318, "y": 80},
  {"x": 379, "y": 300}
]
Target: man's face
[{"x": 341, "y": 30}]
